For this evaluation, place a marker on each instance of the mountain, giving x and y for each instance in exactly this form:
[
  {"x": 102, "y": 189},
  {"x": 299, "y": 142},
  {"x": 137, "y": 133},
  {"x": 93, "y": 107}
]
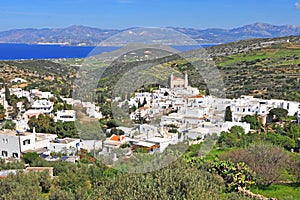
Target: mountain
[
  {"x": 82, "y": 35},
  {"x": 257, "y": 30},
  {"x": 73, "y": 35}
]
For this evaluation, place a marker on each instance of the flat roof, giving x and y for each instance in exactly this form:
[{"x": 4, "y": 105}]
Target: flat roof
[
  {"x": 32, "y": 111},
  {"x": 158, "y": 140},
  {"x": 65, "y": 140},
  {"x": 67, "y": 112},
  {"x": 145, "y": 144},
  {"x": 14, "y": 132}
]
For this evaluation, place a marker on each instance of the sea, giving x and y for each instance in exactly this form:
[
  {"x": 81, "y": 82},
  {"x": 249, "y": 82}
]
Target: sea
[{"x": 12, "y": 51}]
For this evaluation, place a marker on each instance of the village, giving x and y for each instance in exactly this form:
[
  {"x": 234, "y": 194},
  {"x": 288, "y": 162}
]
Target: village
[{"x": 183, "y": 115}]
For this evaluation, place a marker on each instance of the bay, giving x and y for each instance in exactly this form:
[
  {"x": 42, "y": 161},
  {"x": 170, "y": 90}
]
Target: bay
[{"x": 12, "y": 51}]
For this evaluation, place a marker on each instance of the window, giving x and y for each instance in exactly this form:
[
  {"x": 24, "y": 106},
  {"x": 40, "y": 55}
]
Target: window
[
  {"x": 5, "y": 140},
  {"x": 15, "y": 155},
  {"x": 25, "y": 142},
  {"x": 4, "y": 153}
]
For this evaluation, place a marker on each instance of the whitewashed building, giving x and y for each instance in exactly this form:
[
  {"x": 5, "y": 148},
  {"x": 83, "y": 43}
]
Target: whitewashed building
[
  {"x": 14, "y": 143},
  {"x": 43, "y": 105},
  {"x": 66, "y": 145},
  {"x": 65, "y": 116}
]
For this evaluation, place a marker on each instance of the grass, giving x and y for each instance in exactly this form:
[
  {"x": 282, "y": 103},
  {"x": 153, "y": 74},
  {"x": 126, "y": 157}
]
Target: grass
[
  {"x": 198, "y": 149},
  {"x": 279, "y": 191},
  {"x": 215, "y": 153}
]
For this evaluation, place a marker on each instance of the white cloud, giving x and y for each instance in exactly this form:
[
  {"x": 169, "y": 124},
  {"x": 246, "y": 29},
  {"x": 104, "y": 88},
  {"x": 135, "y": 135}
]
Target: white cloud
[{"x": 297, "y": 5}]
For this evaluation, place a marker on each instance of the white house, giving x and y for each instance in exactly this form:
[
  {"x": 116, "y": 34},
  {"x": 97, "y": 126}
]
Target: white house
[
  {"x": 197, "y": 133},
  {"x": 14, "y": 143},
  {"x": 142, "y": 112},
  {"x": 195, "y": 101},
  {"x": 66, "y": 145},
  {"x": 248, "y": 105},
  {"x": 291, "y": 106},
  {"x": 91, "y": 145},
  {"x": 68, "y": 100},
  {"x": 43, "y": 105},
  {"x": 163, "y": 143},
  {"x": 31, "y": 113},
  {"x": 40, "y": 94},
  {"x": 140, "y": 97},
  {"x": 148, "y": 130},
  {"x": 65, "y": 116},
  {"x": 18, "y": 80},
  {"x": 20, "y": 93},
  {"x": 173, "y": 118},
  {"x": 112, "y": 143},
  {"x": 92, "y": 110}
]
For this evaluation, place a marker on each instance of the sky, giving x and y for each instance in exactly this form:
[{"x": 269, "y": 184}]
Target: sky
[{"x": 121, "y": 14}]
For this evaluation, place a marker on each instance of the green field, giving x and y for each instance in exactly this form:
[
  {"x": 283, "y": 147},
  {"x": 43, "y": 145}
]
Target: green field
[{"x": 280, "y": 191}]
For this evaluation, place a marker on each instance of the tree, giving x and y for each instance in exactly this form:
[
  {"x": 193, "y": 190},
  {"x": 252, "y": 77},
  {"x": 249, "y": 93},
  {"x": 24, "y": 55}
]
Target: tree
[
  {"x": 227, "y": 140},
  {"x": 228, "y": 114},
  {"x": 65, "y": 129},
  {"x": 278, "y": 114},
  {"x": 177, "y": 181},
  {"x": 144, "y": 102},
  {"x": 7, "y": 94},
  {"x": 9, "y": 124},
  {"x": 111, "y": 123},
  {"x": 252, "y": 120},
  {"x": 58, "y": 194},
  {"x": 266, "y": 160},
  {"x": 46, "y": 124},
  {"x": 30, "y": 157},
  {"x": 237, "y": 130},
  {"x": 132, "y": 109},
  {"x": 2, "y": 112},
  {"x": 42, "y": 124},
  {"x": 20, "y": 186},
  {"x": 117, "y": 131}
]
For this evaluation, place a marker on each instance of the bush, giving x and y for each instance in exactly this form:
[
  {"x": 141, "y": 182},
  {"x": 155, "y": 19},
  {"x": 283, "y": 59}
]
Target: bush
[{"x": 267, "y": 161}]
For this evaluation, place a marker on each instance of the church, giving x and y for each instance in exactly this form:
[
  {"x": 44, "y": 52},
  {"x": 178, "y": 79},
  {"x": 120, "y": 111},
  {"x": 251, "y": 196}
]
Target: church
[{"x": 176, "y": 82}]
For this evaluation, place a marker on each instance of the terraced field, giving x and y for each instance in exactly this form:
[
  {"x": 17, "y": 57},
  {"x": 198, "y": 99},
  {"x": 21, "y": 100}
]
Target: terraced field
[{"x": 272, "y": 72}]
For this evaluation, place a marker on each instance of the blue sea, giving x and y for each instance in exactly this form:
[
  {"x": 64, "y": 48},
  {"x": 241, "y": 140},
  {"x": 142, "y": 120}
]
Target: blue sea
[{"x": 36, "y": 51}]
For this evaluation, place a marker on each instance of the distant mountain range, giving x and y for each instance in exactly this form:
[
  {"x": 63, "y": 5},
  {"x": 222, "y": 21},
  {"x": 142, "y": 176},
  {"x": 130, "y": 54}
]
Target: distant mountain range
[{"x": 82, "y": 35}]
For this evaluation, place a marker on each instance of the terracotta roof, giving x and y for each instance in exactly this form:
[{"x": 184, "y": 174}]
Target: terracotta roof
[
  {"x": 175, "y": 78},
  {"x": 197, "y": 96},
  {"x": 143, "y": 108},
  {"x": 117, "y": 137}
]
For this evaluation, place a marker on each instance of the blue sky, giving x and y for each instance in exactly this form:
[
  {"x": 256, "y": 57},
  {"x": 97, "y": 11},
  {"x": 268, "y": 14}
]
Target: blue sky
[{"x": 122, "y": 14}]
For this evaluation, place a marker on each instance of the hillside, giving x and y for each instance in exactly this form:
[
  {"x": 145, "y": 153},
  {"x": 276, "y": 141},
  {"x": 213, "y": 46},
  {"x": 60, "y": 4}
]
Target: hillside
[
  {"x": 43, "y": 74},
  {"x": 271, "y": 72},
  {"x": 266, "y": 68},
  {"x": 82, "y": 35}
]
